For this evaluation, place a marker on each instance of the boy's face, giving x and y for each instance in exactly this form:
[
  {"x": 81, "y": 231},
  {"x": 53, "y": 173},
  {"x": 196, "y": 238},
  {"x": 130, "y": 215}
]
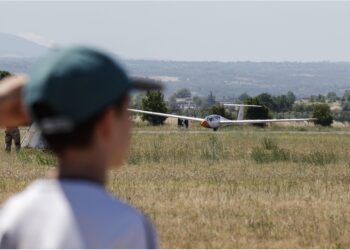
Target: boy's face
[{"x": 111, "y": 139}]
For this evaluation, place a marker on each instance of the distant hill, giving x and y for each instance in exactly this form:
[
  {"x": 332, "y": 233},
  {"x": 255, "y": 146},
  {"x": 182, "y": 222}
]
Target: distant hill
[
  {"x": 231, "y": 78},
  {"x": 17, "y": 65},
  {"x": 14, "y": 46}
]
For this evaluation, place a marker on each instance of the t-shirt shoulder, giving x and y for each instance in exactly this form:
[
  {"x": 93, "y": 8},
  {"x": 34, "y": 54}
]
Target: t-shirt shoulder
[{"x": 89, "y": 202}]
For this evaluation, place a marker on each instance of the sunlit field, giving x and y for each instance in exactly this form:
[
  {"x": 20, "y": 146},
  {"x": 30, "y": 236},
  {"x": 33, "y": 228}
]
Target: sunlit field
[{"x": 240, "y": 187}]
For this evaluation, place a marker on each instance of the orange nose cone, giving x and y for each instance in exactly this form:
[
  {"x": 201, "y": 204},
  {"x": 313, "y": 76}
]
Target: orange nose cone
[{"x": 205, "y": 124}]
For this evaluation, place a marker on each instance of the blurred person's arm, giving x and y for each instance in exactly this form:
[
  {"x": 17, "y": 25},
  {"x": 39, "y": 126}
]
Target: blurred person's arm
[{"x": 12, "y": 110}]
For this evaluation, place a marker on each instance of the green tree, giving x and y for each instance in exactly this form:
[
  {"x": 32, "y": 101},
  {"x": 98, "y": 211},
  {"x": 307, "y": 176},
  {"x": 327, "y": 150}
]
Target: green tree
[
  {"x": 183, "y": 93},
  {"x": 318, "y": 98},
  {"x": 4, "y": 74},
  {"x": 243, "y": 97},
  {"x": 172, "y": 103},
  {"x": 197, "y": 101},
  {"x": 154, "y": 101},
  {"x": 136, "y": 101},
  {"x": 291, "y": 97},
  {"x": 302, "y": 107},
  {"x": 342, "y": 116},
  {"x": 210, "y": 100},
  {"x": 346, "y": 106},
  {"x": 266, "y": 100},
  {"x": 323, "y": 115},
  {"x": 282, "y": 103},
  {"x": 219, "y": 109},
  {"x": 346, "y": 96},
  {"x": 332, "y": 97},
  {"x": 253, "y": 113}
]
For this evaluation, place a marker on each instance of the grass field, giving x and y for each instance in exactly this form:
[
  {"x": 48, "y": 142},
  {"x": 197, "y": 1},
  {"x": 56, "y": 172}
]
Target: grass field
[{"x": 239, "y": 188}]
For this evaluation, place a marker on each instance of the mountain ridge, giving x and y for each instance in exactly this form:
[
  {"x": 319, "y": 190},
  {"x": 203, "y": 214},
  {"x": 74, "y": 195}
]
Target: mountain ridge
[
  {"x": 224, "y": 79},
  {"x": 17, "y": 47}
]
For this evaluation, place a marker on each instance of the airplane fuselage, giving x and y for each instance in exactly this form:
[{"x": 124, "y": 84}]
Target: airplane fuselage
[{"x": 212, "y": 121}]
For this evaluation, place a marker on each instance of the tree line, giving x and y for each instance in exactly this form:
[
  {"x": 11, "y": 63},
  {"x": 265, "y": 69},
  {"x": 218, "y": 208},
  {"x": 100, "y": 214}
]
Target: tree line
[
  {"x": 280, "y": 106},
  {"x": 272, "y": 106}
]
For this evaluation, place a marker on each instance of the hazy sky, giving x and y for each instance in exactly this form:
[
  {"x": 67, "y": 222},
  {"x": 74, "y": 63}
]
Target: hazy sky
[{"x": 223, "y": 31}]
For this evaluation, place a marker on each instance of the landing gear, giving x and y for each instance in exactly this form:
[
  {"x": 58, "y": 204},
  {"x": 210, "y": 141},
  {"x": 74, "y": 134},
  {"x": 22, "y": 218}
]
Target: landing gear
[{"x": 215, "y": 129}]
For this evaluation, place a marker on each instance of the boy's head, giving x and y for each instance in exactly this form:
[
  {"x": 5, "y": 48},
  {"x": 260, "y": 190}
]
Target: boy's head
[{"x": 79, "y": 97}]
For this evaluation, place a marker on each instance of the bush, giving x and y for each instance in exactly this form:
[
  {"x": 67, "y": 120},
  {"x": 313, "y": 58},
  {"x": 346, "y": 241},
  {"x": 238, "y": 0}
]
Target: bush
[
  {"x": 346, "y": 106},
  {"x": 269, "y": 152},
  {"x": 214, "y": 150},
  {"x": 154, "y": 101},
  {"x": 260, "y": 155},
  {"x": 253, "y": 113},
  {"x": 219, "y": 109},
  {"x": 302, "y": 107},
  {"x": 4, "y": 74},
  {"x": 323, "y": 115},
  {"x": 319, "y": 158},
  {"x": 341, "y": 116}
]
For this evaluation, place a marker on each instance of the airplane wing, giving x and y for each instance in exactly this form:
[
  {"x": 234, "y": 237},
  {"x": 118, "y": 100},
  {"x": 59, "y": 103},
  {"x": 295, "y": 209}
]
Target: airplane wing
[
  {"x": 167, "y": 115},
  {"x": 228, "y": 122}
]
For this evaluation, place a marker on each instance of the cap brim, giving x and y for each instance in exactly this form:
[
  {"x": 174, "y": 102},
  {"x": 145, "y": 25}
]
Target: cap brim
[{"x": 145, "y": 84}]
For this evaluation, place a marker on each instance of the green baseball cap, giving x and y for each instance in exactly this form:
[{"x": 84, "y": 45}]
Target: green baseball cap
[{"x": 77, "y": 83}]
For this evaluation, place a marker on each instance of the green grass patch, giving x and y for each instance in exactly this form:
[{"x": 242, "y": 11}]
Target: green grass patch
[{"x": 268, "y": 151}]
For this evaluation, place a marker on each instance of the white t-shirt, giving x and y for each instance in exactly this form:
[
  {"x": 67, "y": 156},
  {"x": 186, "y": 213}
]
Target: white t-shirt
[{"x": 72, "y": 214}]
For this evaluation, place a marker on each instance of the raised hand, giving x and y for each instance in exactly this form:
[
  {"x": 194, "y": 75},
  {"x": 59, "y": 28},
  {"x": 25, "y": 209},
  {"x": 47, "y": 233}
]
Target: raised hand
[{"x": 12, "y": 110}]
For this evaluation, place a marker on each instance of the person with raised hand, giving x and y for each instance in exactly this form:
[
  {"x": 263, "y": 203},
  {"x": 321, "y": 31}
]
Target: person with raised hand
[{"x": 78, "y": 97}]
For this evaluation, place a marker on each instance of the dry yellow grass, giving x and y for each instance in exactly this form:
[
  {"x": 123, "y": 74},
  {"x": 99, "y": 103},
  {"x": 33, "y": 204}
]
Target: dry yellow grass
[{"x": 239, "y": 188}]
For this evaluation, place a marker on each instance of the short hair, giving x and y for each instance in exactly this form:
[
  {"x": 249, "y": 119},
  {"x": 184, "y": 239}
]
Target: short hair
[{"x": 82, "y": 134}]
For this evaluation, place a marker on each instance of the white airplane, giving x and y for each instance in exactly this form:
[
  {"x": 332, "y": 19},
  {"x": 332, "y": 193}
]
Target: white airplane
[{"x": 216, "y": 121}]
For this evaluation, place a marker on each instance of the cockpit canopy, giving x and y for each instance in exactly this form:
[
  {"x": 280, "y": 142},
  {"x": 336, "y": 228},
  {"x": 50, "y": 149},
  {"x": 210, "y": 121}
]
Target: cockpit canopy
[{"x": 213, "y": 118}]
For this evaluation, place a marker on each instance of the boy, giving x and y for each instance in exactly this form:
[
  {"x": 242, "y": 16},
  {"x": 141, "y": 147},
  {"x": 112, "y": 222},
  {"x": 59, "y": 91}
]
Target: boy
[{"x": 78, "y": 97}]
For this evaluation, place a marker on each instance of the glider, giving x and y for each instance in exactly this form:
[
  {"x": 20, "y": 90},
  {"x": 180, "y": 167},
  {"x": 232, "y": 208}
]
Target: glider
[{"x": 216, "y": 121}]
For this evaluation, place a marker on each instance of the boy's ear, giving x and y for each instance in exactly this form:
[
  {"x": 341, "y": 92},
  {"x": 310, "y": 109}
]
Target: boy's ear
[{"x": 12, "y": 109}]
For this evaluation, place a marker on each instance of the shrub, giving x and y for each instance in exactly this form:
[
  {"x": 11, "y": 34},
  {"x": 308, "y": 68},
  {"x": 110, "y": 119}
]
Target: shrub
[
  {"x": 253, "y": 113},
  {"x": 319, "y": 158},
  {"x": 214, "y": 150},
  {"x": 269, "y": 152},
  {"x": 154, "y": 101},
  {"x": 4, "y": 74},
  {"x": 323, "y": 115}
]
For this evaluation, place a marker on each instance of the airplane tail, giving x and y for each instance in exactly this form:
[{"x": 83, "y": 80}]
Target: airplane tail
[{"x": 240, "y": 115}]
